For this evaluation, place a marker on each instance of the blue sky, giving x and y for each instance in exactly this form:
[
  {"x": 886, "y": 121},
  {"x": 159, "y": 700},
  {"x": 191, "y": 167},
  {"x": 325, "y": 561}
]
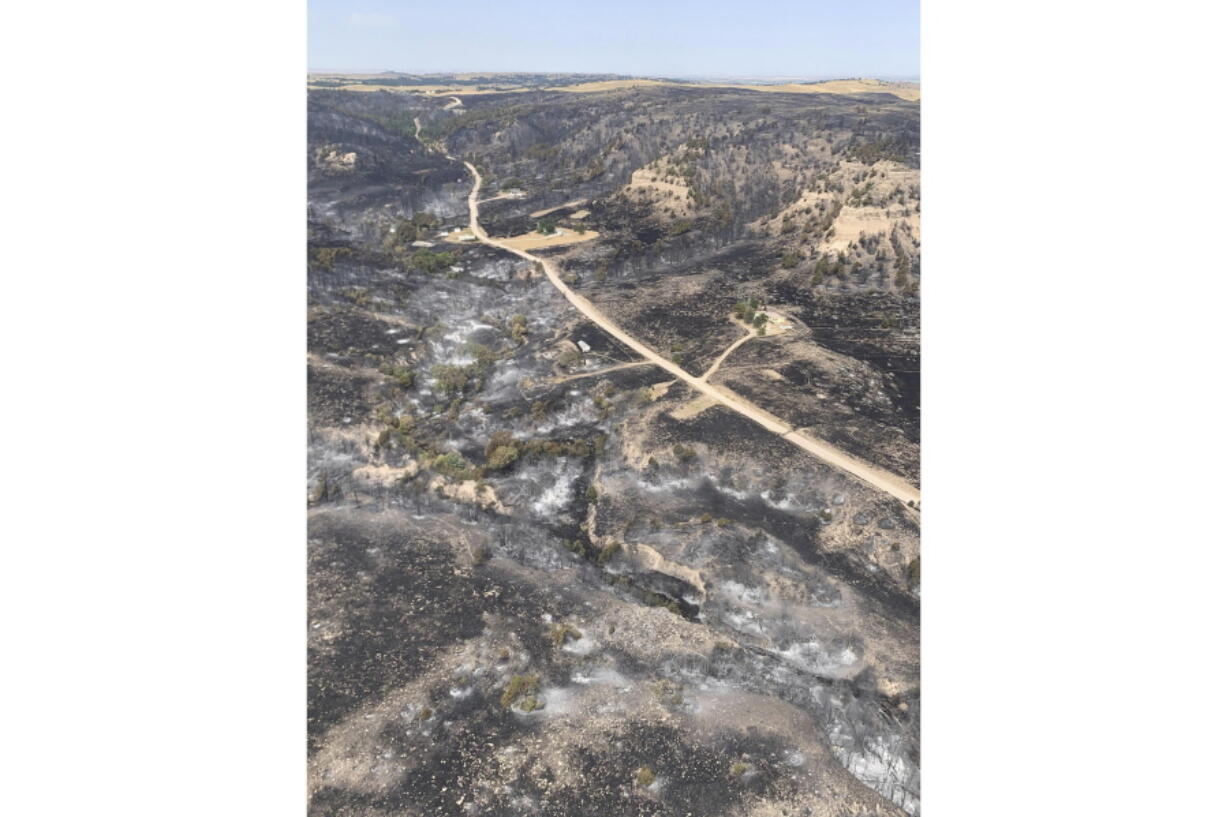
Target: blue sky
[{"x": 811, "y": 38}]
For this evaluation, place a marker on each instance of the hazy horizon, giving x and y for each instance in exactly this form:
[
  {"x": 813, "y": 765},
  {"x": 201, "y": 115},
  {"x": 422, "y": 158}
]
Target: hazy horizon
[
  {"x": 682, "y": 77},
  {"x": 813, "y": 40}
]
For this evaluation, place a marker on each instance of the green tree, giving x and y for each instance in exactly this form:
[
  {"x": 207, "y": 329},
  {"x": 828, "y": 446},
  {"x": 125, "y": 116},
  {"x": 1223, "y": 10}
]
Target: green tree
[
  {"x": 501, "y": 457},
  {"x": 431, "y": 262},
  {"x": 519, "y": 328},
  {"x": 453, "y": 465},
  {"x": 449, "y": 380}
]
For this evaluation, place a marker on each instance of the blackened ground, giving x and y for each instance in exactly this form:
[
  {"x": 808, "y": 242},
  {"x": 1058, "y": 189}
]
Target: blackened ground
[
  {"x": 878, "y": 328},
  {"x": 392, "y": 601},
  {"x": 602, "y": 343},
  {"x": 351, "y": 331},
  {"x": 697, "y": 775},
  {"x": 803, "y": 532},
  {"x": 336, "y": 397},
  {"x": 701, "y": 620}
]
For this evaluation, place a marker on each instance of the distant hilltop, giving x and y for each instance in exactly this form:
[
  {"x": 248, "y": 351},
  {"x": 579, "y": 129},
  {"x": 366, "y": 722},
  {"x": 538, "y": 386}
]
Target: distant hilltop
[{"x": 495, "y": 82}]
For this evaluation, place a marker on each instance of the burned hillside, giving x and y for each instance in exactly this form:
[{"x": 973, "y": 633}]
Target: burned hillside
[{"x": 545, "y": 575}]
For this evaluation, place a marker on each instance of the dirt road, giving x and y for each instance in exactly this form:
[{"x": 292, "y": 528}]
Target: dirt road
[
  {"x": 879, "y": 478},
  {"x": 719, "y": 361}
]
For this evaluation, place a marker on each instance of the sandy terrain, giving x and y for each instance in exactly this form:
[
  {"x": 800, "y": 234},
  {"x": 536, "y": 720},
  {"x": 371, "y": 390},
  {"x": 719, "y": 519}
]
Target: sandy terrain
[
  {"x": 549, "y": 210},
  {"x": 664, "y": 192},
  {"x": 693, "y": 408},
  {"x": 534, "y": 240},
  {"x": 461, "y": 237},
  {"x": 856, "y": 221},
  {"x": 887, "y": 180}
]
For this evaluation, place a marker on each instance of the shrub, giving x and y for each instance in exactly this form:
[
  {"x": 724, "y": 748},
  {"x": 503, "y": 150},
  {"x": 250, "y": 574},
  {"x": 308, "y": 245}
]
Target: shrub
[
  {"x": 498, "y": 439},
  {"x": 452, "y": 464},
  {"x": 401, "y": 374},
  {"x": 325, "y": 257},
  {"x": 449, "y": 380},
  {"x": 518, "y": 687},
  {"x": 518, "y": 328},
  {"x": 679, "y": 227},
  {"x": 608, "y": 552},
  {"x": 431, "y": 262},
  {"x": 501, "y": 457},
  {"x": 559, "y": 634},
  {"x": 485, "y": 356},
  {"x": 745, "y": 310},
  {"x": 407, "y": 230},
  {"x": 820, "y": 269},
  {"x": 644, "y": 776},
  {"x": 892, "y": 149}
]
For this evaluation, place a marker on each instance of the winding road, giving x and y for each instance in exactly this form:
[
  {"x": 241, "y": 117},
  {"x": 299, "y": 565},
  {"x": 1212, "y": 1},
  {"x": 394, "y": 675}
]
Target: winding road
[{"x": 879, "y": 478}]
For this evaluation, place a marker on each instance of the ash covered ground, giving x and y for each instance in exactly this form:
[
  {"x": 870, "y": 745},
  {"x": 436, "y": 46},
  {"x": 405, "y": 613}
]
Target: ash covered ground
[{"x": 543, "y": 582}]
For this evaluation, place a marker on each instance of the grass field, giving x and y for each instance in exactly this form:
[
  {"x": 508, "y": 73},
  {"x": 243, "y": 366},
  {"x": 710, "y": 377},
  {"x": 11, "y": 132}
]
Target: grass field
[
  {"x": 903, "y": 90},
  {"x": 909, "y": 91}
]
